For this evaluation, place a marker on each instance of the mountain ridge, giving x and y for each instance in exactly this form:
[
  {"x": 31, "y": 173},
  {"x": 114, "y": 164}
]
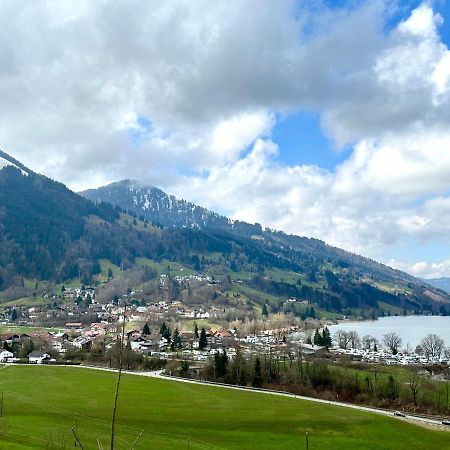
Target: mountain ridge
[
  {"x": 49, "y": 233},
  {"x": 133, "y": 196}
]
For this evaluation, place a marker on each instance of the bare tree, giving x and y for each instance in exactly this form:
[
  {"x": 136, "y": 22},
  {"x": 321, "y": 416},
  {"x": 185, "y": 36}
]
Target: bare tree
[
  {"x": 342, "y": 338},
  {"x": 415, "y": 384},
  {"x": 369, "y": 342},
  {"x": 432, "y": 346},
  {"x": 355, "y": 342},
  {"x": 392, "y": 341},
  {"x": 447, "y": 352}
]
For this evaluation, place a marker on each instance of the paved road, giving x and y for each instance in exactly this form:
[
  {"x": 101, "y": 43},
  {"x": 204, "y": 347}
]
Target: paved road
[{"x": 159, "y": 374}]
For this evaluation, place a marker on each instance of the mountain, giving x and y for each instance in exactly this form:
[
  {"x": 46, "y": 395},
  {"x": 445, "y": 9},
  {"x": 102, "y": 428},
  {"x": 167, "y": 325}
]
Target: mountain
[
  {"x": 440, "y": 283},
  {"x": 8, "y": 161},
  {"x": 155, "y": 206},
  {"x": 49, "y": 234},
  {"x": 306, "y": 255}
]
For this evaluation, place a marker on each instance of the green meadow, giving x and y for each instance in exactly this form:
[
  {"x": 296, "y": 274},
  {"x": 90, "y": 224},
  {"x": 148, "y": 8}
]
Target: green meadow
[{"x": 41, "y": 405}]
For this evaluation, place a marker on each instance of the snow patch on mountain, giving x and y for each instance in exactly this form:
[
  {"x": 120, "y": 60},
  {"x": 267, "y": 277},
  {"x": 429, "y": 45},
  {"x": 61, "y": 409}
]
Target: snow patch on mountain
[{"x": 4, "y": 163}]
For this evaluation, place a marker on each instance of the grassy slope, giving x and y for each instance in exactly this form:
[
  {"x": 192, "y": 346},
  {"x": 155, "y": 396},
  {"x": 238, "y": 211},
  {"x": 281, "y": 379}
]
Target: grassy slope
[{"x": 43, "y": 403}]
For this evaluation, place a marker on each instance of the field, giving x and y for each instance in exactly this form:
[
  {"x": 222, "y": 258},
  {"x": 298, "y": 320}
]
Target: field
[{"x": 42, "y": 404}]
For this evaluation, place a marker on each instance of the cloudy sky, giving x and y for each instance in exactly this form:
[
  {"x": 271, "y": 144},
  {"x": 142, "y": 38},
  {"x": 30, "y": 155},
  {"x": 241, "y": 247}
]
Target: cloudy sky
[{"x": 321, "y": 118}]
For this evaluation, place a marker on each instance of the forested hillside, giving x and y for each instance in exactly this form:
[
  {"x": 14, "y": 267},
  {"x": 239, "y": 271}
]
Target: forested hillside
[{"x": 50, "y": 233}]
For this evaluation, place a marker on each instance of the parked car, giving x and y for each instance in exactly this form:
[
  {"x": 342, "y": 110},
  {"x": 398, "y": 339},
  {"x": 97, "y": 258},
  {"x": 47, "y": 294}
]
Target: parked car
[
  {"x": 446, "y": 422},
  {"x": 399, "y": 414}
]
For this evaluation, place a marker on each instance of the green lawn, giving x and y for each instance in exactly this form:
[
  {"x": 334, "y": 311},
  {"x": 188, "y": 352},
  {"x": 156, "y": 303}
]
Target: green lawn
[{"x": 42, "y": 404}]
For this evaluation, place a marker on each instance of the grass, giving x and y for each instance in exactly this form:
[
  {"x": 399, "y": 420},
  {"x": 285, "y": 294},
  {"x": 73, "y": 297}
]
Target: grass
[
  {"x": 27, "y": 301},
  {"x": 42, "y": 404},
  {"x": 165, "y": 266},
  {"x": 5, "y": 329}
]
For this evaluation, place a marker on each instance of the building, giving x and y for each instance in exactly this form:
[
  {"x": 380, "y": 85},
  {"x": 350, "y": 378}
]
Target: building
[{"x": 37, "y": 357}]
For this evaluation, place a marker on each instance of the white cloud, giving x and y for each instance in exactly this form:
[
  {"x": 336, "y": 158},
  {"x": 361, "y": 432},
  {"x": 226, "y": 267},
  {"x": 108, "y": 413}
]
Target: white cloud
[
  {"x": 210, "y": 77},
  {"x": 424, "y": 269}
]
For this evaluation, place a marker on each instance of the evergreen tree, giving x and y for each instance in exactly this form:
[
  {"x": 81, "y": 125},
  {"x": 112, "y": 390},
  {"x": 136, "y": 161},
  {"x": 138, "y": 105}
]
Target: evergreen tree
[
  {"x": 257, "y": 376},
  {"x": 318, "y": 338},
  {"x": 146, "y": 330},
  {"x": 14, "y": 315},
  {"x": 220, "y": 364},
  {"x": 176, "y": 343},
  {"x": 202, "y": 342},
  {"x": 196, "y": 330},
  {"x": 110, "y": 273},
  {"x": 264, "y": 311},
  {"x": 326, "y": 338}
]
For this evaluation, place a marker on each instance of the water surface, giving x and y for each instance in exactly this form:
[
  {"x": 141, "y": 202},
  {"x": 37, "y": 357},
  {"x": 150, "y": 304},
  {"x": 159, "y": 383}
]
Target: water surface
[{"x": 411, "y": 328}]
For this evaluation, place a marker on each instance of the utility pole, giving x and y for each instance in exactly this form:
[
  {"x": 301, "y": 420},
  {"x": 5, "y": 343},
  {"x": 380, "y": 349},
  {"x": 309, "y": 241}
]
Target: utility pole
[
  {"x": 119, "y": 375},
  {"x": 1, "y": 405}
]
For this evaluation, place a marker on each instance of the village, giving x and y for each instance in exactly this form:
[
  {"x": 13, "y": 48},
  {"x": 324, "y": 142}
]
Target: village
[{"x": 171, "y": 331}]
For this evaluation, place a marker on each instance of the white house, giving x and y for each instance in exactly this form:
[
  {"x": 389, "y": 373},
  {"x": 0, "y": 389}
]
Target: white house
[
  {"x": 5, "y": 355},
  {"x": 37, "y": 357}
]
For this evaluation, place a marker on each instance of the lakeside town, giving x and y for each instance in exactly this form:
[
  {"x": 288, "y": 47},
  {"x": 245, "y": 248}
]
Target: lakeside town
[{"x": 169, "y": 330}]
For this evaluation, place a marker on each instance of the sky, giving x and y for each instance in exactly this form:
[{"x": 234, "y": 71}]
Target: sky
[{"x": 327, "y": 119}]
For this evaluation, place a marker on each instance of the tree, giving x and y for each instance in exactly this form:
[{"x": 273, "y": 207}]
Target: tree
[
  {"x": 318, "y": 338},
  {"x": 326, "y": 338},
  {"x": 165, "y": 332},
  {"x": 184, "y": 368},
  {"x": 202, "y": 342},
  {"x": 342, "y": 338},
  {"x": 14, "y": 315},
  {"x": 368, "y": 342},
  {"x": 392, "y": 341},
  {"x": 415, "y": 384},
  {"x": 432, "y": 346},
  {"x": 220, "y": 364},
  {"x": 110, "y": 273},
  {"x": 353, "y": 337},
  {"x": 196, "y": 330},
  {"x": 237, "y": 372},
  {"x": 257, "y": 376},
  {"x": 264, "y": 311},
  {"x": 392, "y": 388},
  {"x": 447, "y": 353},
  {"x": 146, "y": 330},
  {"x": 176, "y": 342}
]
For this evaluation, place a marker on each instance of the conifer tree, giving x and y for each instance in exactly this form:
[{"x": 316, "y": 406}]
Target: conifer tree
[
  {"x": 257, "y": 376},
  {"x": 264, "y": 311},
  {"x": 326, "y": 338},
  {"x": 202, "y": 342},
  {"x": 176, "y": 343},
  {"x": 317, "y": 338},
  {"x": 146, "y": 330}
]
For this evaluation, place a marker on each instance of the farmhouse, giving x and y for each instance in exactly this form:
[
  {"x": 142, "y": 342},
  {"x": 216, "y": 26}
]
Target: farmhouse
[
  {"x": 5, "y": 355},
  {"x": 37, "y": 357}
]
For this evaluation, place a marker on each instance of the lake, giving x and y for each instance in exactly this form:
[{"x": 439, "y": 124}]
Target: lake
[{"x": 411, "y": 328}]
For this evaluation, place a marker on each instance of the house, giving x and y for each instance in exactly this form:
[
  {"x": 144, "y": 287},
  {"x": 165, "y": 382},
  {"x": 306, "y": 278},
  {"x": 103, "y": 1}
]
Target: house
[
  {"x": 82, "y": 342},
  {"x": 137, "y": 343},
  {"x": 5, "y": 355},
  {"x": 133, "y": 334},
  {"x": 37, "y": 357},
  {"x": 77, "y": 326}
]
